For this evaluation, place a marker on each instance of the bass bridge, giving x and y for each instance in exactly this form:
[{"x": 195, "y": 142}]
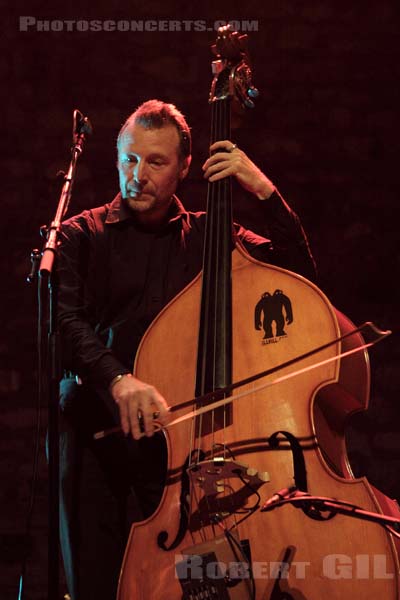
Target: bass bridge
[
  {"x": 213, "y": 475},
  {"x": 218, "y": 478}
]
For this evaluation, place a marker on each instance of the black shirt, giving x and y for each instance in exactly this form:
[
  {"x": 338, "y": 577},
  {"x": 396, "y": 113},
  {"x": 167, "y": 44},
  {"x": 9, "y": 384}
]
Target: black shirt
[{"x": 115, "y": 277}]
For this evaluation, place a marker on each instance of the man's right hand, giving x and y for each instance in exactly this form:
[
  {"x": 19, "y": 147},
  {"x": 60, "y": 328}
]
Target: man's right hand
[{"x": 138, "y": 401}]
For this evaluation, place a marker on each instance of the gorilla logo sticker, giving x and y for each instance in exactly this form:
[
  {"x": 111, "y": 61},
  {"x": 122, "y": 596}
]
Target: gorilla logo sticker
[{"x": 270, "y": 307}]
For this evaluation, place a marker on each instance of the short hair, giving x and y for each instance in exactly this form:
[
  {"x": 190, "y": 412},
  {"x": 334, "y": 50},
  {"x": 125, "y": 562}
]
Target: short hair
[{"x": 155, "y": 114}]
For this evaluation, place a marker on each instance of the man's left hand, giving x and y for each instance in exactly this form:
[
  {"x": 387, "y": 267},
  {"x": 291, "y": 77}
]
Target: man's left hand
[{"x": 230, "y": 160}]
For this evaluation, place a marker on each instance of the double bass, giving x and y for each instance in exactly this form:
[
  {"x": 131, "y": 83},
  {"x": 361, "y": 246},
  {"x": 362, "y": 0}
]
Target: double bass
[{"x": 209, "y": 538}]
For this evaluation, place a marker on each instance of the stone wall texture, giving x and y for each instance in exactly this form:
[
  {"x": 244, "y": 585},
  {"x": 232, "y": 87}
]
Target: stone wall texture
[{"x": 325, "y": 130}]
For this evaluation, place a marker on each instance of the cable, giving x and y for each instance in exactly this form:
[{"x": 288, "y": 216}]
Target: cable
[
  {"x": 231, "y": 539},
  {"x": 249, "y": 511}
]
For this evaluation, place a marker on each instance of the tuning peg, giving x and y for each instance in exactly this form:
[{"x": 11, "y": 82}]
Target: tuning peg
[
  {"x": 249, "y": 103},
  {"x": 253, "y": 92}
]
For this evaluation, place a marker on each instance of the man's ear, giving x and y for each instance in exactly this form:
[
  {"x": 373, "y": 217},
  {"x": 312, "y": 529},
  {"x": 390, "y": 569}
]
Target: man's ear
[{"x": 185, "y": 164}]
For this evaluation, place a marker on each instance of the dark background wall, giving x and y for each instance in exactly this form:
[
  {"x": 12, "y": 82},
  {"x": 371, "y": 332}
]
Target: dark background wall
[{"x": 324, "y": 130}]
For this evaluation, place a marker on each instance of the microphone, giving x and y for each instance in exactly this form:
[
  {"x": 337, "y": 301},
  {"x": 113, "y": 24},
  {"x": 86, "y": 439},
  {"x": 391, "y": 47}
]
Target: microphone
[
  {"x": 81, "y": 128},
  {"x": 283, "y": 494}
]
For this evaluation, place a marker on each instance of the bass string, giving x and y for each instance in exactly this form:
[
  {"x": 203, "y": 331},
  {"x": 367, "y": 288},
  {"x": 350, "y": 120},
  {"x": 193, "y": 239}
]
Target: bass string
[
  {"x": 222, "y": 199},
  {"x": 219, "y": 199}
]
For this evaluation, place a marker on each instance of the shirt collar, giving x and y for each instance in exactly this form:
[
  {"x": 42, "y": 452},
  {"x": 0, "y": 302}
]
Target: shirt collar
[{"x": 118, "y": 211}]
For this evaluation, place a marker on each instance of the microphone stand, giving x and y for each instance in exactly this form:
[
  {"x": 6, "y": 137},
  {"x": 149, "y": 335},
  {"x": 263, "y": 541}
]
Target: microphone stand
[
  {"x": 305, "y": 501},
  {"x": 50, "y": 369}
]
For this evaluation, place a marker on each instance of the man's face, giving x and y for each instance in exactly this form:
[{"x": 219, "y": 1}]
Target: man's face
[{"x": 150, "y": 169}]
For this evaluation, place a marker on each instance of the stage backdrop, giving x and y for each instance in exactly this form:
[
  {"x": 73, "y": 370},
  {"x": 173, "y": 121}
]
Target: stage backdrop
[{"x": 324, "y": 130}]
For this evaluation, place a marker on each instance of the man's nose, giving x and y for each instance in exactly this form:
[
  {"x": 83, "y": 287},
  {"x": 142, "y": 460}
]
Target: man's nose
[{"x": 139, "y": 172}]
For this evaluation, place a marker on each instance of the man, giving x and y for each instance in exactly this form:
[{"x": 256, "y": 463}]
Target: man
[{"x": 119, "y": 265}]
